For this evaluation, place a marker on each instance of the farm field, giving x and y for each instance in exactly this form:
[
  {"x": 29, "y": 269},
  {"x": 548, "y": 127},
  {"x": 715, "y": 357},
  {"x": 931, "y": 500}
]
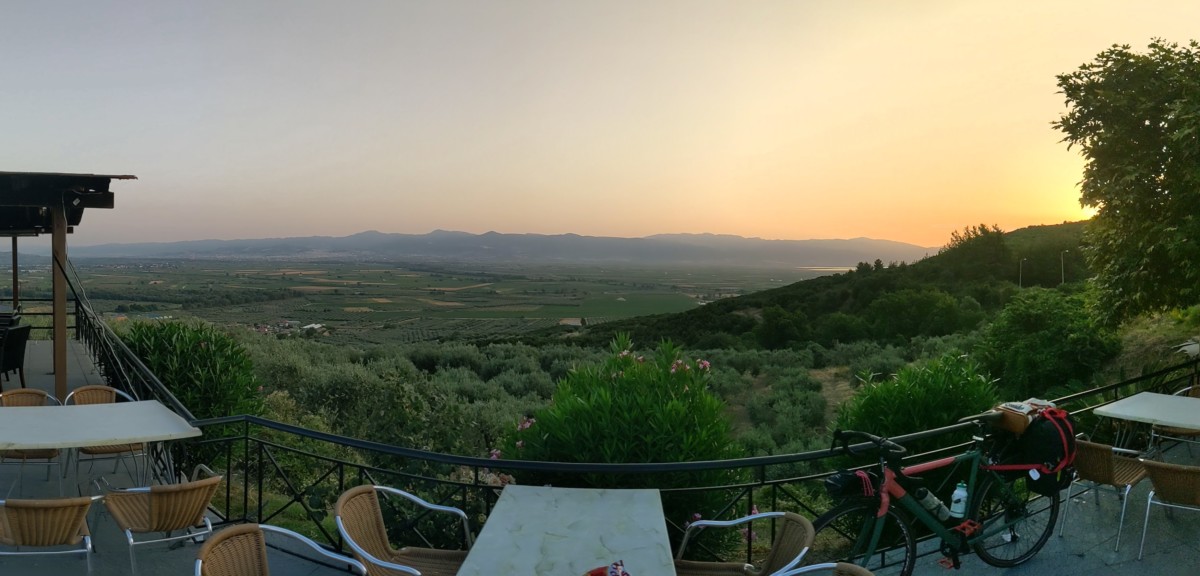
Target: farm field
[{"x": 392, "y": 303}]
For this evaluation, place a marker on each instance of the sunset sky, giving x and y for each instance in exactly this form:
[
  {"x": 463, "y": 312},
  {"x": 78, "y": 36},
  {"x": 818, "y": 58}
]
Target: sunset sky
[{"x": 901, "y": 120}]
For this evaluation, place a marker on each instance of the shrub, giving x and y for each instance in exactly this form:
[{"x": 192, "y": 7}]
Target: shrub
[
  {"x": 1044, "y": 339},
  {"x": 632, "y": 409},
  {"x": 921, "y": 396},
  {"x": 207, "y": 370}
]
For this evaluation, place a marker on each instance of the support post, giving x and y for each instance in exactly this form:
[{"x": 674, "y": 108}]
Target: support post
[
  {"x": 59, "y": 252},
  {"x": 16, "y": 301}
]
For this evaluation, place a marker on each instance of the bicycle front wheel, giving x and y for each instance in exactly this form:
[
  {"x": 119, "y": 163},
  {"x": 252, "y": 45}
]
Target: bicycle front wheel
[
  {"x": 1017, "y": 521},
  {"x": 844, "y": 534}
]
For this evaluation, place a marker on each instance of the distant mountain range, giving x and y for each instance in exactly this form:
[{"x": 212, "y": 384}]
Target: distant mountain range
[{"x": 440, "y": 245}]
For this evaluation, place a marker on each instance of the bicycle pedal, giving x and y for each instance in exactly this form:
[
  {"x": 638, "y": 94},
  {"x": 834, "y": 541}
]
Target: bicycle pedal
[{"x": 968, "y": 528}]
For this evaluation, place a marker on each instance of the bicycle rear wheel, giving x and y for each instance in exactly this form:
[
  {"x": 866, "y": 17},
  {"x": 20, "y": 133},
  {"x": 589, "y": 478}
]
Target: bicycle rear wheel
[
  {"x": 1029, "y": 519},
  {"x": 843, "y": 534}
]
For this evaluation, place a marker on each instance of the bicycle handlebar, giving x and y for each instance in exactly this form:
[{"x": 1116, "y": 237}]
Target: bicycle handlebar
[{"x": 891, "y": 449}]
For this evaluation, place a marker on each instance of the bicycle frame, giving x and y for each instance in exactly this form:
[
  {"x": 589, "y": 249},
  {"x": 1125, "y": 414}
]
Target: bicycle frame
[{"x": 891, "y": 493}]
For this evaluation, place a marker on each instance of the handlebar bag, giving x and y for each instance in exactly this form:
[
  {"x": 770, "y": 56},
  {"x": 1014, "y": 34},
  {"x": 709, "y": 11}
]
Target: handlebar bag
[{"x": 846, "y": 484}]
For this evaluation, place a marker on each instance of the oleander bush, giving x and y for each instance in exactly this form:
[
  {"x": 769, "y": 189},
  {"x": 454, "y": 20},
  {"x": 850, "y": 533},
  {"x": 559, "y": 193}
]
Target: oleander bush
[
  {"x": 207, "y": 370},
  {"x": 921, "y": 396},
  {"x": 632, "y": 408}
]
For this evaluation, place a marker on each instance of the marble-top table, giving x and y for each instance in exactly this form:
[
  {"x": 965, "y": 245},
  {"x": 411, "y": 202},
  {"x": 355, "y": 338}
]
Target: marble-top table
[
  {"x": 1155, "y": 408},
  {"x": 83, "y": 425},
  {"x": 543, "y": 531}
]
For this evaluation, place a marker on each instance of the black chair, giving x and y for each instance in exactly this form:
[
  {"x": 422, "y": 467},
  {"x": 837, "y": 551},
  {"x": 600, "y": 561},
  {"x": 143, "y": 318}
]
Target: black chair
[{"x": 12, "y": 352}]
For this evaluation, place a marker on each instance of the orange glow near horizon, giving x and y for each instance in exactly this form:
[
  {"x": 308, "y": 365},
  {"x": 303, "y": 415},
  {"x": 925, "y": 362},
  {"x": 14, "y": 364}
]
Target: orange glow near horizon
[{"x": 775, "y": 119}]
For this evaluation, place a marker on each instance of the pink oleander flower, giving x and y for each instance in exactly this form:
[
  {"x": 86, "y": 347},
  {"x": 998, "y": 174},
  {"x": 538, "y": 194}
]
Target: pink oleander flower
[
  {"x": 641, "y": 359},
  {"x": 624, "y": 353},
  {"x": 526, "y": 423},
  {"x": 678, "y": 364},
  {"x": 749, "y": 535},
  {"x": 494, "y": 454},
  {"x": 703, "y": 364},
  {"x": 753, "y": 509},
  {"x": 520, "y": 443}
]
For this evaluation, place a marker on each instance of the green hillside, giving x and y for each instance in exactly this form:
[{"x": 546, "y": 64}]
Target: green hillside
[{"x": 967, "y": 282}]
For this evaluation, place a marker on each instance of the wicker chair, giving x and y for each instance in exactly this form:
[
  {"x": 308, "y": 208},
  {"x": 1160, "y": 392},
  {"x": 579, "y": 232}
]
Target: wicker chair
[
  {"x": 359, "y": 519},
  {"x": 1174, "y": 485},
  {"x": 162, "y": 508},
  {"x": 1186, "y": 435},
  {"x": 99, "y": 394},
  {"x": 242, "y": 551},
  {"x": 834, "y": 568},
  {"x": 12, "y": 352},
  {"x": 1104, "y": 465},
  {"x": 44, "y": 523},
  {"x": 793, "y": 537},
  {"x": 29, "y": 397}
]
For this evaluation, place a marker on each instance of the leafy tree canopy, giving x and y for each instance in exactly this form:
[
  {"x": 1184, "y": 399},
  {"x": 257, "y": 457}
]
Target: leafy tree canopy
[{"x": 1136, "y": 119}]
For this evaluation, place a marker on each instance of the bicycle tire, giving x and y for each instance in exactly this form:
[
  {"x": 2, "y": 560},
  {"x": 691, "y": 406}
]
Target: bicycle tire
[
  {"x": 837, "y": 533},
  {"x": 1033, "y": 518}
]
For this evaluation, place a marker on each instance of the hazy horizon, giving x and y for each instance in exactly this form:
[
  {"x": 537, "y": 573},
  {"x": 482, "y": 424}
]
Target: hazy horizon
[
  {"x": 777, "y": 120},
  {"x": 80, "y": 240}
]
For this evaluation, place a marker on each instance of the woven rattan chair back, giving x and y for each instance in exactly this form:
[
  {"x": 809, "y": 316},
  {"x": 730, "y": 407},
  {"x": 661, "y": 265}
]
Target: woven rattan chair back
[
  {"x": 235, "y": 551},
  {"x": 1094, "y": 461},
  {"x": 362, "y": 517},
  {"x": 846, "y": 569},
  {"x": 26, "y": 397},
  {"x": 1174, "y": 483},
  {"x": 793, "y": 533},
  {"x": 165, "y": 508},
  {"x": 93, "y": 394},
  {"x": 55, "y": 522}
]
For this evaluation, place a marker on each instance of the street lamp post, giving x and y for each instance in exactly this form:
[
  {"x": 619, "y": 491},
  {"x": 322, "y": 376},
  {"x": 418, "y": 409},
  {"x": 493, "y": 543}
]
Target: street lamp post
[
  {"x": 1062, "y": 266},
  {"x": 1021, "y": 273}
]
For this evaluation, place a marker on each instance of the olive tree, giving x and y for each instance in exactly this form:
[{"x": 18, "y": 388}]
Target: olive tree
[{"x": 1135, "y": 117}]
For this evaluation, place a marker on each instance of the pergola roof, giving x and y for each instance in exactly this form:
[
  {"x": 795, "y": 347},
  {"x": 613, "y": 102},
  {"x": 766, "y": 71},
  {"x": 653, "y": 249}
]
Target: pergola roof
[
  {"x": 26, "y": 199},
  {"x": 33, "y": 203}
]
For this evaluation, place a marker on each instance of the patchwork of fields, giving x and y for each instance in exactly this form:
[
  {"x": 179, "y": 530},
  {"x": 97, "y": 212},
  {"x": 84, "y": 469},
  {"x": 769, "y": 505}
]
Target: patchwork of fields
[{"x": 383, "y": 303}]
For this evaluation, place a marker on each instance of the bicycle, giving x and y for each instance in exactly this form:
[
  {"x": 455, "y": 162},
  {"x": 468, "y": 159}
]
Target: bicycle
[{"x": 1005, "y": 522}]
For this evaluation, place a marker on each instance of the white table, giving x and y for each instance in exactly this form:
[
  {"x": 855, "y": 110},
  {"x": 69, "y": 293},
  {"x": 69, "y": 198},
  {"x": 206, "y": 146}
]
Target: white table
[
  {"x": 1157, "y": 409},
  {"x": 537, "y": 530},
  {"x": 80, "y": 426}
]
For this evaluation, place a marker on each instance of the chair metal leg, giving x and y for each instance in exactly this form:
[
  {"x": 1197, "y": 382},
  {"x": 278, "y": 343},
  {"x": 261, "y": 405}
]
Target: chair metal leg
[
  {"x": 1062, "y": 524},
  {"x": 1121, "y": 522},
  {"x": 1145, "y": 524}
]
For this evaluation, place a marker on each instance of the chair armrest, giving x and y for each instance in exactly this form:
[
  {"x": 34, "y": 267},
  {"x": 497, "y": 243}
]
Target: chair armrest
[
  {"x": 354, "y": 564},
  {"x": 435, "y": 507},
  {"x": 367, "y": 555},
  {"x": 110, "y": 488},
  {"x": 208, "y": 472},
  {"x": 417, "y": 499},
  {"x": 700, "y": 524},
  {"x": 830, "y": 566},
  {"x": 1182, "y": 390},
  {"x": 1127, "y": 452}
]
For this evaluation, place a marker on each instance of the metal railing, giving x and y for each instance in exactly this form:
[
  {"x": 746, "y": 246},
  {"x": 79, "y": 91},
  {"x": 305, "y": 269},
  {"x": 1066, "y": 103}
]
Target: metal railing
[
  {"x": 288, "y": 475},
  {"x": 279, "y": 473}
]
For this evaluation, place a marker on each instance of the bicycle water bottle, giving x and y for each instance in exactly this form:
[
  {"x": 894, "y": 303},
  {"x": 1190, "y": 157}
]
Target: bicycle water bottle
[
  {"x": 958, "y": 501},
  {"x": 932, "y": 503}
]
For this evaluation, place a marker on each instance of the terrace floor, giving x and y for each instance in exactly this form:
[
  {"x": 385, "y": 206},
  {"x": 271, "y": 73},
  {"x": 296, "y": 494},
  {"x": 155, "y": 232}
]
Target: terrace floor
[
  {"x": 1172, "y": 544},
  {"x": 111, "y": 557}
]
